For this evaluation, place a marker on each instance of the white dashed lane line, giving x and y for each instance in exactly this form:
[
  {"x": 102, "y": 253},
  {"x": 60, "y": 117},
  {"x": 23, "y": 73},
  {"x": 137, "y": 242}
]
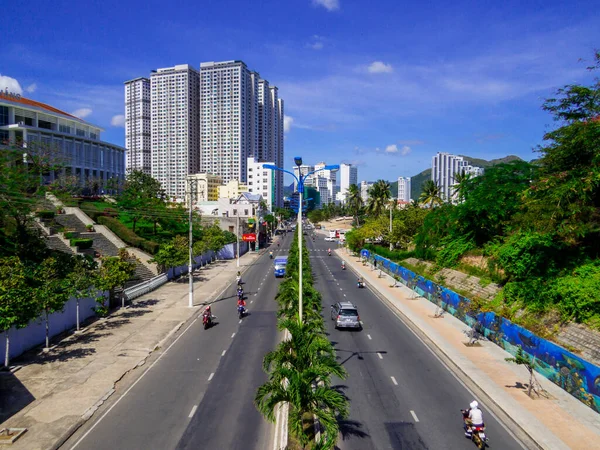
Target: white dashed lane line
[
  {"x": 414, "y": 416},
  {"x": 232, "y": 335},
  {"x": 369, "y": 336},
  {"x": 394, "y": 381},
  {"x": 211, "y": 376},
  {"x": 380, "y": 355},
  {"x": 193, "y": 411},
  {"x": 224, "y": 351}
]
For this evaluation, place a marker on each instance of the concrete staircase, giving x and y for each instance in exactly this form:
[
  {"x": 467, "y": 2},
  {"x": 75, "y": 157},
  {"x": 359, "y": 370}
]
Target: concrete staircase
[
  {"x": 70, "y": 222},
  {"x": 55, "y": 243}
]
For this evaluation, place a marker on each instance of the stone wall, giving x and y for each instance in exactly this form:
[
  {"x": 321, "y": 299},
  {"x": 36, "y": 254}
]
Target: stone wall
[{"x": 584, "y": 340}]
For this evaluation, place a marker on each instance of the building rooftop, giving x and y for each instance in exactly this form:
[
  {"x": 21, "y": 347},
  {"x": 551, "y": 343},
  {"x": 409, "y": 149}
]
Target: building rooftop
[{"x": 28, "y": 102}]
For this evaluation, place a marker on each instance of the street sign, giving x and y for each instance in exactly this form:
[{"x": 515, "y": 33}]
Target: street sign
[{"x": 249, "y": 237}]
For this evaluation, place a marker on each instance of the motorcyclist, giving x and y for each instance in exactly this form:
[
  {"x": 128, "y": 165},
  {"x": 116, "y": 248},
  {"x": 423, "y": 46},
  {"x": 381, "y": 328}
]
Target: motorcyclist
[
  {"x": 271, "y": 254},
  {"x": 329, "y": 251},
  {"x": 207, "y": 314},
  {"x": 343, "y": 265},
  {"x": 240, "y": 292},
  {"x": 360, "y": 282},
  {"x": 238, "y": 278},
  {"x": 473, "y": 418}
]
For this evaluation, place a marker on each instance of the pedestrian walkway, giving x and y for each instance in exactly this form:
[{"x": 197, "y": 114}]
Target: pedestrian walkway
[
  {"x": 557, "y": 422},
  {"x": 54, "y": 393}
]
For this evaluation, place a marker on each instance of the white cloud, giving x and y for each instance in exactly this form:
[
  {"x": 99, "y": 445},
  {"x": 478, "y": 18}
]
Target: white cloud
[
  {"x": 118, "y": 121},
  {"x": 380, "y": 67},
  {"x": 82, "y": 113},
  {"x": 391, "y": 148},
  {"x": 287, "y": 123},
  {"x": 405, "y": 150},
  {"x": 329, "y": 5},
  {"x": 316, "y": 45},
  {"x": 11, "y": 84},
  {"x": 31, "y": 88}
]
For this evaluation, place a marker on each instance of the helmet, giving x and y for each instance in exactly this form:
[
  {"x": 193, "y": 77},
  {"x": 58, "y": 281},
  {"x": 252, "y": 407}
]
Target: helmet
[
  {"x": 207, "y": 308},
  {"x": 474, "y": 404}
]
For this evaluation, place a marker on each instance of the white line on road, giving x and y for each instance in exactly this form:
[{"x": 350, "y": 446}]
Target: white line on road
[
  {"x": 369, "y": 336},
  {"x": 193, "y": 411},
  {"x": 394, "y": 381},
  {"x": 380, "y": 357},
  {"x": 233, "y": 335},
  {"x": 344, "y": 295},
  {"x": 251, "y": 301},
  {"x": 224, "y": 351},
  {"x": 414, "y": 416},
  {"x": 213, "y": 374},
  {"x": 240, "y": 321}
]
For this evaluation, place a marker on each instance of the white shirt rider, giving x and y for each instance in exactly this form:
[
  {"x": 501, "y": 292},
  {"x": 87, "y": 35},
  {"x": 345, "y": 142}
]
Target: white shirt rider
[{"x": 475, "y": 414}]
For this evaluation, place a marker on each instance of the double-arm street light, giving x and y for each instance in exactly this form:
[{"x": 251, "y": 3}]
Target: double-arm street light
[{"x": 300, "y": 182}]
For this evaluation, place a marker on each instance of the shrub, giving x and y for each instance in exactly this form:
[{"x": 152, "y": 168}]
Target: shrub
[
  {"x": 127, "y": 235},
  {"x": 110, "y": 212},
  {"x": 46, "y": 214},
  {"x": 71, "y": 234},
  {"x": 394, "y": 255},
  {"x": 91, "y": 210},
  {"x": 451, "y": 251},
  {"x": 82, "y": 243}
]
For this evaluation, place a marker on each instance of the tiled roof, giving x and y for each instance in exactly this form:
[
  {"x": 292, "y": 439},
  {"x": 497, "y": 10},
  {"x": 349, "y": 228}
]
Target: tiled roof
[{"x": 28, "y": 102}]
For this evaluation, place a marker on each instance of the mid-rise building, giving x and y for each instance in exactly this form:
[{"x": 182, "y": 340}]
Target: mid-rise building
[
  {"x": 364, "y": 190},
  {"x": 302, "y": 171},
  {"x": 348, "y": 177},
  {"x": 404, "y": 187},
  {"x": 232, "y": 189},
  {"x": 175, "y": 130},
  {"x": 206, "y": 187},
  {"x": 444, "y": 167},
  {"x": 74, "y": 144},
  {"x": 137, "y": 125},
  {"x": 261, "y": 181}
]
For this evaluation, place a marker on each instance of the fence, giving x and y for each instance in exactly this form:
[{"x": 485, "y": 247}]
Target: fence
[{"x": 575, "y": 375}]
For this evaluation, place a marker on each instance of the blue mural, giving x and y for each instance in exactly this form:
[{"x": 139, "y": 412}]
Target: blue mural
[{"x": 575, "y": 375}]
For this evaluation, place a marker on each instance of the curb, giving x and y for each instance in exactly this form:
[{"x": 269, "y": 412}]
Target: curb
[
  {"x": 280, "y": 440},
  {"x": 513, "y": 426}
]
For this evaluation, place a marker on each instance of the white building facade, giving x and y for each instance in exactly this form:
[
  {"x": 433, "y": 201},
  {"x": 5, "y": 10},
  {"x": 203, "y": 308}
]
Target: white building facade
[
  {"x": 404, "y": 187},
  {"x": 348, "y": 177},
  {"x": 137, "y": 125},
  {"x": 175, "y": 131},
  {"x": 364, "y": 190},
  {"x": 444, "y": 167},
  {"x": 261, "y": 181},
  {"x": 75, "y": 143}
]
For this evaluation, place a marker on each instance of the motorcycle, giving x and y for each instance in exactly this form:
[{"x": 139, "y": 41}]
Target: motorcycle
[
  {"x": 343, "y": 266},
  {"x": 241, "y": 311},
  {"x": 271, "y": 255},
  {"x": 207, "y": 321},
  {"x": 328, "y": 253},
  {"x": 238, "y": 280},
  {"x": 474, "y": 432},
  {"x": 360, "y": 284},
  {"x": 240, "y": 294}
]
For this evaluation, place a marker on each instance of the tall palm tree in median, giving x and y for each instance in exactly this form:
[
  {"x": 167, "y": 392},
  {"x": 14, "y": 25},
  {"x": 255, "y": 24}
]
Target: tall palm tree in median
[
  {"x": 354, "y": 201},
  {"x": 461, "y": 181},
  {"x": 379, "y": 196},
  {"x": 431, "y": 194}
]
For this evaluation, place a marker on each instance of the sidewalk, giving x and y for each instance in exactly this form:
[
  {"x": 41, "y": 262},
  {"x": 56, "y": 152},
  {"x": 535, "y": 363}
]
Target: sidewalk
[
  {"x": 557, "y": 422},
  {"x": 54, "y": 393}
]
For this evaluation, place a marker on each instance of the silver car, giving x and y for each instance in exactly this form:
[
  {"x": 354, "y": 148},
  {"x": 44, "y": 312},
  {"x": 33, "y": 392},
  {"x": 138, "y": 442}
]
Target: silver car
[{"x": 345, "y": 315}]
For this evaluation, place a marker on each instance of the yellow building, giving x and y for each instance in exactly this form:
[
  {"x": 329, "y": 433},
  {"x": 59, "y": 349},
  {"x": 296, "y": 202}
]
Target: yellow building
[
  {"x": 233, "y": 189},
  {"x": 207, "y": 186}
]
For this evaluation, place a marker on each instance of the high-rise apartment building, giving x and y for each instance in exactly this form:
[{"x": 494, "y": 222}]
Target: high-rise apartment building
[
  {"x": 302, "y": 171},
  {"x": 175, "y": 130},
  {"x": 137, "y": 125},
  {"x": 348, "y": 176},
  {"x": 404, "y": 187},
  {"x": 364, "y": 190},
  {"x": 444, "y": 168}
]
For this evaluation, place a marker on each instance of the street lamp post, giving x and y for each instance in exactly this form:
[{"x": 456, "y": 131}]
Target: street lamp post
[
  {"x": 300, "y": 180},
  {"x": 391, "y": 210}
]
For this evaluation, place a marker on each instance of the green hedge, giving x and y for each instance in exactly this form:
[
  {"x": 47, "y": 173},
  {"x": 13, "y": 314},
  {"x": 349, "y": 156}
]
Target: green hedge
[
  {"x": 71, "y": 234},
  {"x": 46, "y": 214},
  {"x": 82, "y": 243},
  {"x": 91, "y": 210},
  {"x": 127, "y": 235},
  {"x": 394, "y": 255}
]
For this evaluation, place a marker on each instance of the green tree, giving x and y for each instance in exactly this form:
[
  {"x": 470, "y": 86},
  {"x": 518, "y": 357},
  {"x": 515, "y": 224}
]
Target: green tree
[
  {"x": 461, "y": 180},
  {"x": 142, "y": 197},
  {"x": 17, "y": 305},
  {"x": 80, "y": 280},
  {"x": 174, "y": 253},
  {"x": 114, "y": 272},
  {"x": 431, "y": 194},
  {"x": 379, "y": 196},
  {"x": 354, "y": 201}
]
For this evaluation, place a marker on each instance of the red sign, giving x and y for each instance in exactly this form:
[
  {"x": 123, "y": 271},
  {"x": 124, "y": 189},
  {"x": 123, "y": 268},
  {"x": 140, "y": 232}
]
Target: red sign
[{"x": 249, "y": 237}]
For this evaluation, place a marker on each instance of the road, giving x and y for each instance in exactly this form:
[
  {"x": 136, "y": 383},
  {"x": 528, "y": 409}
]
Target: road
[
  {"x": 401, "y": 395},
  {"x": 200, "y": 393}
]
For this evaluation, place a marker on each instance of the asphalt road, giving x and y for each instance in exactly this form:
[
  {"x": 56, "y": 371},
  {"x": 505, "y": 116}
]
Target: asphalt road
[
  {"x": 401, "y": 395},
  {"x": 200, "y": 394}
]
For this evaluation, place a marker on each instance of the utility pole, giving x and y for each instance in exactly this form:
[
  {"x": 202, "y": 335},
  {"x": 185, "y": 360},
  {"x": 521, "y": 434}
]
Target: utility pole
[
  {"x": 237, "y": 235},
  {"x": 391, "y": 209},
  {"x": 192, "y": 185}
]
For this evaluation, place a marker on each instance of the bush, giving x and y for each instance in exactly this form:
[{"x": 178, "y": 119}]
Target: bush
[
  {"x": 46, "y": 214},
  {"x": 71, "y": 234},
  {"x": 394, "y": 255},
  {"x": 451, "y": 251},
  {"x": 110, "y": 212},
  {"x": 91, "y": 210},
  {"x": 127, "y": 235},
  {"x": 82, "y": 243}
]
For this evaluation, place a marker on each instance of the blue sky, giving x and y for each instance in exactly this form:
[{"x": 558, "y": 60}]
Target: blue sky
[{"x": 383, "y": 84}]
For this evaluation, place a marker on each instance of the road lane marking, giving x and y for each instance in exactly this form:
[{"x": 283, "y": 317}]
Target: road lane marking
[
  {"x": 224, "y": 351},
  {"x": 344, "y": 295},
  {"x": 251, "y": 301},
  {"x": 414, "y": 416},
  {"x": 240, "y": 321},
  {"x": 232, "y": 335},
  {"x": 394, "y": 381},
  {"x": 369, "y": 336},
  {"x": 380, "y": 357},
  {"x": 213, "y": 374},
  {"x": 193, "y": 411}
]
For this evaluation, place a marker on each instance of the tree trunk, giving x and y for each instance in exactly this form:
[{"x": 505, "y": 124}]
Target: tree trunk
[
  {"x": 7, "y": 353},
  {"x": 47, "y": 330},
  {"x": 134, "y": 222}
]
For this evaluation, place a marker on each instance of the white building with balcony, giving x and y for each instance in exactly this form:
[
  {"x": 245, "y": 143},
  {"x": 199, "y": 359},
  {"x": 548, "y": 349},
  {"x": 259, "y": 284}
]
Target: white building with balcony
[
  {"x": 261, "y": 181},
  {"x": 404, "y": 186},
  {"x": 444, "y": 167},
  {"x": 138, "y": 125}
]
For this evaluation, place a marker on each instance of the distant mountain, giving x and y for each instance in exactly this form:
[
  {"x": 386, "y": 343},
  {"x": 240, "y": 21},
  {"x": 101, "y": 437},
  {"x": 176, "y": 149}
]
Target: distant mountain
[
  {"x": 288, "y": 190},
  {"x": 418, "y": 180}
]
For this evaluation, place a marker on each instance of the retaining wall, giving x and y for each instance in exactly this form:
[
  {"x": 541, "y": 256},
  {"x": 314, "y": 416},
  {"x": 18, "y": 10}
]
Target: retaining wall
[{"x": 574, "y": 374}]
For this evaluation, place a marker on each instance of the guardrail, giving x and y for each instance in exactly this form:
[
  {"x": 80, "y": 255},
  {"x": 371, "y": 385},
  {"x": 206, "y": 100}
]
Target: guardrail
[{"x": 147, "y": 286}]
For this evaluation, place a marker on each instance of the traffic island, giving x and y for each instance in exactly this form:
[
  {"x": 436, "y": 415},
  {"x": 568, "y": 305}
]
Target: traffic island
[{"x": 10, "y": 435}]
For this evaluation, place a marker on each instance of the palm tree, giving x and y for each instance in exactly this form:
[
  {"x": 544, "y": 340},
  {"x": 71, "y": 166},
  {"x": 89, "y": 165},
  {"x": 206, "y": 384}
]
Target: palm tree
[
  {"x": 354, "y": 201},
  {"x": 431, "y": 194},
  {"x": 379, "y": 195},
  {"x": 461, "y": 181}
]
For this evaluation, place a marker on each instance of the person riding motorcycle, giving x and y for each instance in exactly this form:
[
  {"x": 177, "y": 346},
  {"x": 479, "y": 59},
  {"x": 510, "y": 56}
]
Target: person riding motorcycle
[
  {"x": 473, "y": 418},
  {"x": 238, "y": 278},
  {"x": 360, "y": 282},
  {"x": 271, "y": 254},
  {"x": 207, "y": 315},
  {"x": 329, "y": 251},
  {"x": 343, "y": 265}
]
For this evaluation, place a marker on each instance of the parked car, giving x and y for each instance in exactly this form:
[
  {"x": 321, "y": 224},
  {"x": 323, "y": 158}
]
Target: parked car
[
  {"x": 345, "y": 315},
  {"x": 329, "y": 239}
]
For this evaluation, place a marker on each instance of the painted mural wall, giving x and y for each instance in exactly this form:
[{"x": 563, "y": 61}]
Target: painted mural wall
[{"x": 569, "y": 371}]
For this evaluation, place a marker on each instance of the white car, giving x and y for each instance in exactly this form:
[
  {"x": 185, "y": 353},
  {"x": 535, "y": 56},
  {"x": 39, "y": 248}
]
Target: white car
[{"x": 330, "y": 239}]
